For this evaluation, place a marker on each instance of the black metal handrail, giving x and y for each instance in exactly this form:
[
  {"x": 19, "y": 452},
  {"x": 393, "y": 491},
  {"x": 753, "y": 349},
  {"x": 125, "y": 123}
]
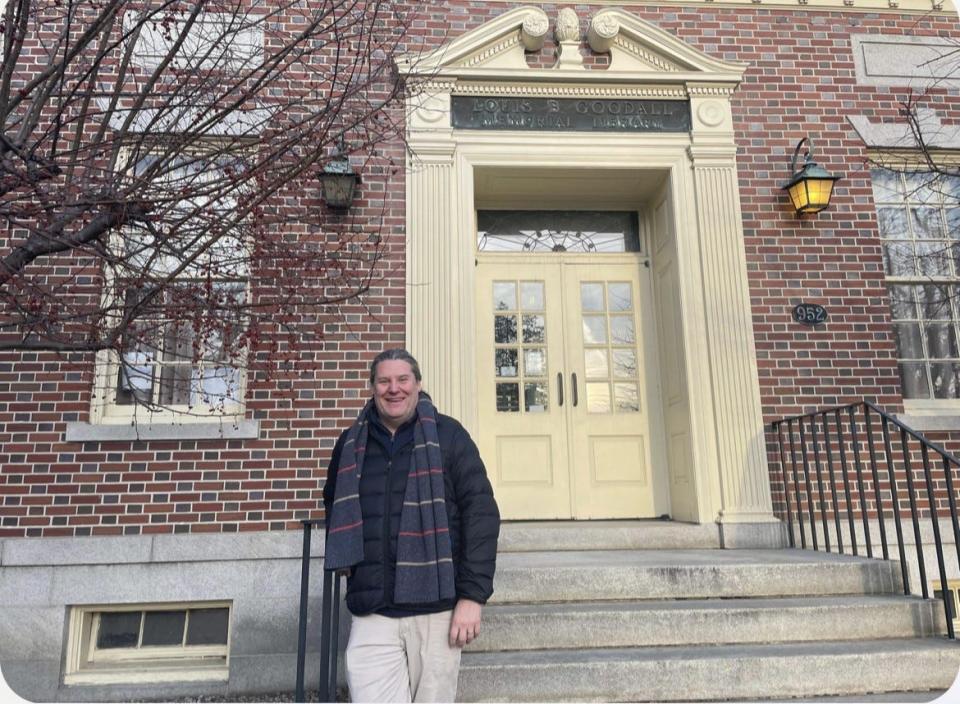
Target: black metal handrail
[
  {"x": 329, "y": 623},
  {"x": 803, "y": 437}
]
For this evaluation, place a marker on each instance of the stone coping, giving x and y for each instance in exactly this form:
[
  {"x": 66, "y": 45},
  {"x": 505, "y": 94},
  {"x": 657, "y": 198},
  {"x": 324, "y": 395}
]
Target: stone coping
[
  {"x": 133, "y": 549},
  {"x": 106, "y": 432}
]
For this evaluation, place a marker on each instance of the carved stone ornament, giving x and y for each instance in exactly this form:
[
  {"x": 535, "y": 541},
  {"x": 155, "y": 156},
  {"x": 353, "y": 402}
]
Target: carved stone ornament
[
  {"x": 534, "y": 30},
  {"x": 568, "y": 26},
  {"x": 604, "y": 28},
  {"x": 711, "y": 113}
]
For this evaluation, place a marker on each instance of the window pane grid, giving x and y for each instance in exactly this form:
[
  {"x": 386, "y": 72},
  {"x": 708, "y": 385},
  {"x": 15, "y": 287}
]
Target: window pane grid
[
  {"x": 113, "y": 630},
  {"x": 168, "y": 368},
  {"x": 918, "y": 221},
  {"x": 520, "y": 346},
  {"x": 609, "y": 348}
]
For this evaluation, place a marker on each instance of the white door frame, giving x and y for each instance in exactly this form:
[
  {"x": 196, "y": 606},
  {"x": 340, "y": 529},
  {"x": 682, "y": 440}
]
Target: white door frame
[{"x": 725, "y": 433}]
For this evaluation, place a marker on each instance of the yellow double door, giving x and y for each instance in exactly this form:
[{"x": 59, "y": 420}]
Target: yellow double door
[{"x": 563, "y": 403}]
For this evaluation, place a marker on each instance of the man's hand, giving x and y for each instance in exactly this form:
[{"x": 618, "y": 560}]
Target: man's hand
[{"x": 465, "y": 624}]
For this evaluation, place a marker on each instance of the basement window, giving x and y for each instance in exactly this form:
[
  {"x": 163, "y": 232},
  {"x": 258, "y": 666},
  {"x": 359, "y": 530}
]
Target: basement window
[{"x": 141, "y": 643}]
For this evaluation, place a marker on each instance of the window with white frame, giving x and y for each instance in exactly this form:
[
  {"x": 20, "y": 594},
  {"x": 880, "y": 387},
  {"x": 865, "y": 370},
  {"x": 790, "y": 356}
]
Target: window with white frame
[
  {"x": 148, "y": 643},
  {"x": 182, "y": 278},
  {"x": 918, "y": 213}
]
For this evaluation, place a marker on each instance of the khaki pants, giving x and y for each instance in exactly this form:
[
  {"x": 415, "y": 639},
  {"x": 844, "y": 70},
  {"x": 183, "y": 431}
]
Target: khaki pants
[{"x": 402, "y": 659}]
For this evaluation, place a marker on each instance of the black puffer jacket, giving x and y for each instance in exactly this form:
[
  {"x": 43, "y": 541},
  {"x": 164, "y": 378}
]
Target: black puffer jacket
[{"x": 472, "y": 515}]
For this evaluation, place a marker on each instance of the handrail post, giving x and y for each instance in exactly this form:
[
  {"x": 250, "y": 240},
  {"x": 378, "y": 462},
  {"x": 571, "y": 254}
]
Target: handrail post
[
  {"x": 935, "y": 519},
  {"x": 816, "y": 459},
  {"x": 918, "y": 542},
  {"x": 786, "y": 487},
  {"x": 952, "y": 502},
  {"x": 796, "y": 484},
  {"x": 878, "y": 495},
  {"x": 891, "y": 477},
  {"x": 326, "y": 635},
  {"x": 299, "y": 695},
  {"x": 855, "y": 442},
  {"x": 845, "y": 469},
  {"x": 806, "y": 478},
  {"x": 334, "y": 639},
  {"x": 833, "y": 482}
]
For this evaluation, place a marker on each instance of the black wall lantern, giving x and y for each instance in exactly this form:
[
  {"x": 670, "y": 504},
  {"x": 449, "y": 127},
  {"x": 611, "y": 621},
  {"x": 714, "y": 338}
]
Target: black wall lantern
[
  {"x": 809, "y": 188},
  {"x": 338, "y": 180}
]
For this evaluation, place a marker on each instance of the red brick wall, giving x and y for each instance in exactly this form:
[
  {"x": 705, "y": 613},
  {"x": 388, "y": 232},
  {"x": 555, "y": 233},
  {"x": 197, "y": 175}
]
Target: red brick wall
[{"x": 800, "y": 81}]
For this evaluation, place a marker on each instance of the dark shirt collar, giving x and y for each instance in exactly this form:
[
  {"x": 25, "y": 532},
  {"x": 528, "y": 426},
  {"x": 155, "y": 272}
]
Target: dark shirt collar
[{"x": 374, "y": 418}]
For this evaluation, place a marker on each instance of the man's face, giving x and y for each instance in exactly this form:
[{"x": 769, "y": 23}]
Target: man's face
[{"x": 395, "y": 391}]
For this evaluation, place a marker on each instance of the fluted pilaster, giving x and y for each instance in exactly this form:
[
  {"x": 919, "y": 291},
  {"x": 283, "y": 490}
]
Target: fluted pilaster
[
  {"x": 744, "y": 482},
  {"x": 433, "y": 296}
]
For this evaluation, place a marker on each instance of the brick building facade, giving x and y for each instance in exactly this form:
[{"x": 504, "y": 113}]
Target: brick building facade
[{"x": 104, "y": 513}]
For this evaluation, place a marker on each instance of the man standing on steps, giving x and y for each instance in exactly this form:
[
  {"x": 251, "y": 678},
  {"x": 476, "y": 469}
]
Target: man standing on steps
[{"x": 411, "y": 514}]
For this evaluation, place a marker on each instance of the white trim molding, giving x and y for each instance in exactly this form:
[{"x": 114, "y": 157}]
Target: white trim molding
[{"x": 697, "y": 167}]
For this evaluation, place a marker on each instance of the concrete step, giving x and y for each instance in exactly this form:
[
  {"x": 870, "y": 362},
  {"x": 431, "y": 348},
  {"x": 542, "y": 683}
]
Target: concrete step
[
  {"x": 703, "y": 673},
  {"x": 652, "y": 534},
  {"x": 695, "y": 621},
  {"x": 537, "y": 577}
]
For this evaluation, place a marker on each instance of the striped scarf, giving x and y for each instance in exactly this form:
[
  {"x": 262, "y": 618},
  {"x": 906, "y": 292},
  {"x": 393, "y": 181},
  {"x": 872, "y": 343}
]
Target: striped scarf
[{"x": 424, "y": 571}]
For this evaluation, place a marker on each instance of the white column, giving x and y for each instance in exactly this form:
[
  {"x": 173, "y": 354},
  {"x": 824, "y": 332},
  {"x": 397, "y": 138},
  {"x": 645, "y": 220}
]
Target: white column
[
  {"x": 734, "y": 385},
  {"x": 433, "y": 296}
]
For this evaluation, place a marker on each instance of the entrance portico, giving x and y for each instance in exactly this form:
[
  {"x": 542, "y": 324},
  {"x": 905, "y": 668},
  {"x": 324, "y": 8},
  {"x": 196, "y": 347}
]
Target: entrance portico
[{"x": 697, "y": 433}]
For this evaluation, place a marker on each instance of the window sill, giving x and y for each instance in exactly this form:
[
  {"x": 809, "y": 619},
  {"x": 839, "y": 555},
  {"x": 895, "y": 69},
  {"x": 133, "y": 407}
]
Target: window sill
[
  {"x": 226, "y": 430},
  {"x": 930, "y": 422},
  {"x": 143, "y": 673}
]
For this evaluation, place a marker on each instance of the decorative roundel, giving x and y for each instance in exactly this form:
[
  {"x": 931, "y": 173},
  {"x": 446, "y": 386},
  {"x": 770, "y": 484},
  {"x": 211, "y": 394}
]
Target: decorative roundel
[{"x": 711, "y": 113}]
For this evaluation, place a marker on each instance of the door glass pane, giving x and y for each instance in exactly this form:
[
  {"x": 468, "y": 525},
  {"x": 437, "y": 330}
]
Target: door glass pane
[
  {"x": 535, "y": 397},
  {"x": 594, "y": 329},
  {"x": 621, "y": 330},
  {"x": 531, "y": 295},
  {"x": 535, "y": 362},
  {"x": 626, "y": 397},
  {"x": 119, "y": 630},
  {"x": 504, "y": 295},
  {"x": 533, "y": 329},
  {"x": 505, "y": 329},
  {"x": 508, "y": 398},
  {"x": 163, "y": 627},
  {"x": 620, "y": 297},
  {"x": 208, "y": 626},
  {"x": 598, "y": 397},
  {"x": 506, "y": 362},
  {"x": 591, "y": 297},
  {"x": 625, "y": 363},
  {"x": 596, "y": 365}
]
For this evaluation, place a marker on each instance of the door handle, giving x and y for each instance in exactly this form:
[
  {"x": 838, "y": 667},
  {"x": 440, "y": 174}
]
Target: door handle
[
  {"x": 573, "y": 383},
  {"x": 559, "y": 388}
]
